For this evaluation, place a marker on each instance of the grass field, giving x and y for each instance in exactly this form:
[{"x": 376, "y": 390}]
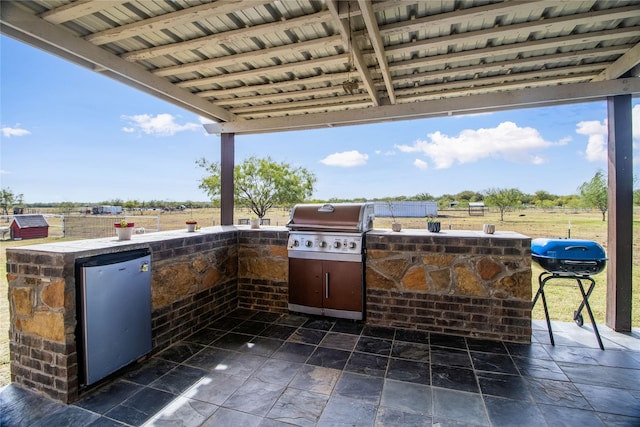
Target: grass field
[{"x": 562, "y": 300}]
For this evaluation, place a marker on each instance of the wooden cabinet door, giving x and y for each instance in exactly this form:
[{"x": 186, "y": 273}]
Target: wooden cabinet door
[
  {"x": 344, "y": 282},
  {"x": 305, "y": 282}
]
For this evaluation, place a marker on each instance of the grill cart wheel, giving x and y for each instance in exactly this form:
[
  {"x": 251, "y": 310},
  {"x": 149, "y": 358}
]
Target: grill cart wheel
[{"x": 578, "y": 318}]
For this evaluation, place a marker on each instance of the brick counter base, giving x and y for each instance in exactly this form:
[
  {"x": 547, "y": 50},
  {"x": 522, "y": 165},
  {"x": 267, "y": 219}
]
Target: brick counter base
[
  {"x": 455, "y": 282},
  {"x": 505, "y": 320}
]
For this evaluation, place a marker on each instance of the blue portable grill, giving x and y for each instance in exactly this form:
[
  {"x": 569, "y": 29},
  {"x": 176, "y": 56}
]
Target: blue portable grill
[{"x": 572, "y": 259}]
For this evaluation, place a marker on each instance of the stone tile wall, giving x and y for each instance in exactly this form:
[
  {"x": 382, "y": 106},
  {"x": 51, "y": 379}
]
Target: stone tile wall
[
  {"x": 42, "y": 332},
  {"x": 263, "y": 270},
  {"x": 194, "y": 281},
  {"x": 463, "y": 286},
  {"x": 471, "y": 286}
]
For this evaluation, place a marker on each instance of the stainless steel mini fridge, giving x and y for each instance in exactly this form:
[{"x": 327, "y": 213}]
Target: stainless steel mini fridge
[{"x": 114, "y": 312}]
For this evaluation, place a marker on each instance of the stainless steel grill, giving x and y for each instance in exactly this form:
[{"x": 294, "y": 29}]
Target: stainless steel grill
[{"x": 326, "y": 258}]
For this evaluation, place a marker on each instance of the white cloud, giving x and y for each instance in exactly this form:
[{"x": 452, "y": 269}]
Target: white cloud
[
  {"x": 204, "y": 120},
  {"x": 4, "y": 172},
  {"x": 385, "y": 153},
  {"x": 8, "y": 132},
  {"x": 420, "y": 164},
  {"x": 506, "y": 141},
  {"x": 596, "y": 133},
  {"x": 346, "y": 159},
  {"x": 160, "y": 125}
]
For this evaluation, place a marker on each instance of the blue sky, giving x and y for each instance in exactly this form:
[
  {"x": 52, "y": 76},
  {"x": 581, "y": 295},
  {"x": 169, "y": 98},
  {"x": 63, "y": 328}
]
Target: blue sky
[{"x": 69, "y": 134}]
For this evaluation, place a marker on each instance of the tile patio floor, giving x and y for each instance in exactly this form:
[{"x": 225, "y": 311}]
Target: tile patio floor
[{"x": 281, "y": 370}]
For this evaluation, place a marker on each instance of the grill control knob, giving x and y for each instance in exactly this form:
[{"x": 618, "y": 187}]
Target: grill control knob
[
  {"x": 336, "y": 244},
  {"x": 323, "y": 244},
  {"x": 352, "y": 245},
  {"x": 308, "y": 243},
  {"x": 296, "y": 243}
]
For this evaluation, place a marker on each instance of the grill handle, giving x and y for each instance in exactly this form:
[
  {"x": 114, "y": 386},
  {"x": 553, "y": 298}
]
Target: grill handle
[
  {"x": 574, "y": 262},
  {"x": 326, "y": 288},
  {"x": 576, "y": 248}
]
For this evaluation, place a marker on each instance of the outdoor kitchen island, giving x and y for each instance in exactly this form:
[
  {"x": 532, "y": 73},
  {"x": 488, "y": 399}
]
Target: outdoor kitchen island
[{"x": 457, "y": 282}]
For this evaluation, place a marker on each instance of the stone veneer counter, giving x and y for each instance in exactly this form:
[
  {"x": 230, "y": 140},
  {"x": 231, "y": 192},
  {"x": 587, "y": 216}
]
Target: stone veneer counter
[
  {"x": 193, "y": 281},
  {"x": 453, "y": 282},
  {"x": 457, "y": 282}
]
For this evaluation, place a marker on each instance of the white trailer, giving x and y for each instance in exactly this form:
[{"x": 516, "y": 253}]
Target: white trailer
[{"x": 406, "y": 209}]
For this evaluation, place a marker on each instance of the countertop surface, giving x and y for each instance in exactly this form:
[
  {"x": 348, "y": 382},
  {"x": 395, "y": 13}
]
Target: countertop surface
[
  {"x": 138, "y": 240},
  {"x": 499, "y": 234}
]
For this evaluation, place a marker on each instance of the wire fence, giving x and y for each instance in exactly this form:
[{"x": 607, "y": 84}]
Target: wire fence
[
  {"x": 90, "y": 227},
  {"x": 86, "y": 227}
]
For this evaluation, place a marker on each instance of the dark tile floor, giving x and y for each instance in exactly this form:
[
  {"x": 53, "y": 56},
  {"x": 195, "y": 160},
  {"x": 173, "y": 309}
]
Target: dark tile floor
[{"x": 263, "y": 369}]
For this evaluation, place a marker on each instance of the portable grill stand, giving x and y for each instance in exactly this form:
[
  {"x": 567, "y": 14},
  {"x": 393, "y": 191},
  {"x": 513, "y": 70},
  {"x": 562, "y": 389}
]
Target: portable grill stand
[{"x": 577, "y": 316}]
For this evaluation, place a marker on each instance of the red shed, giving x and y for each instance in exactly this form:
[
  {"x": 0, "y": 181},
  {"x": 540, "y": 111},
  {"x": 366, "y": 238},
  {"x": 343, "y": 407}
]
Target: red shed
[{"x": 29, "y": 227}]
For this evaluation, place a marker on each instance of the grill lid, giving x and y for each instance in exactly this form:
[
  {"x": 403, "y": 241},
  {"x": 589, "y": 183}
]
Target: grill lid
[
  {"x": 571, "y": 256},
  {"x": 568, "y": 249},
  {"x": 347, "y": 217}
]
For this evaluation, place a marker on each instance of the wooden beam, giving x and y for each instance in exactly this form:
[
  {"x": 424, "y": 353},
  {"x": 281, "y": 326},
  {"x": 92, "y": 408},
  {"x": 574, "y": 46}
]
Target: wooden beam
[
  {"x": 515, "y": 49},
  {"x": 172, "y": 20},
  {"x": 252, "y": 56},
  {"x": 77, "y": 9},
  {"x": 240, "y": 91},
  {"x": 593, "y": 56},
  {"x": 371, "y": 24},
  {"x": 626, "y": 62},
  {"x": 485, "y": 12},
  {"x": 266, "y": 71},
  {"x": 620, "y": 225},
  {"x": 233, "y": 36},
  {"x": 522, "y": 98},
  {"x": 514, "y": 30},
  {"x": 358, "y": 58}
]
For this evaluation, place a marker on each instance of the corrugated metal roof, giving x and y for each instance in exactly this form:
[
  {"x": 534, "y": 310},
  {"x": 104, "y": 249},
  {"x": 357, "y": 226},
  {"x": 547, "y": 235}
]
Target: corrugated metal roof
[
  {"x": 259, "y": 65},
  {"x": 30, "y": 221}
]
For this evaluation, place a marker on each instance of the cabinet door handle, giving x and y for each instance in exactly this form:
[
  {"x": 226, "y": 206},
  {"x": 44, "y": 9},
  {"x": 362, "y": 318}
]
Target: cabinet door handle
[{"x": 326, "y": 291}]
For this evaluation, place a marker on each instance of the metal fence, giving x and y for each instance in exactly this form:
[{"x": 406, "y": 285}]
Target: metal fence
[{"x": 90, "y": 227}]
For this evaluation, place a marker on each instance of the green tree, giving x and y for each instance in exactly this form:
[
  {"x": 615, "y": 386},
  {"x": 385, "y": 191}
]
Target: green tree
[
  {"x": 468, "y": 196},
  {"x": 261, "y": 183},
  {"x": 423, "y": 196},
  {"x": 594, "y": 193},
  {"x": 8, "y": 199},
  {"x": 503, "y": 198}
]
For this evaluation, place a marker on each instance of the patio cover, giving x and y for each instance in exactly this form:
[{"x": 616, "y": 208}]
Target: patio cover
[
  {"x": 263, "y": 65},
  {"x": 276, "y": 65}
]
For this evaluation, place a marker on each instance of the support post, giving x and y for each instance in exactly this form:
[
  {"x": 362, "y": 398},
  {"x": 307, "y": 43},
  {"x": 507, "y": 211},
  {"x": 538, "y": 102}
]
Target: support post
[
  {"x": 620, "y": 221},
  {"x": 227, "y": 163}
]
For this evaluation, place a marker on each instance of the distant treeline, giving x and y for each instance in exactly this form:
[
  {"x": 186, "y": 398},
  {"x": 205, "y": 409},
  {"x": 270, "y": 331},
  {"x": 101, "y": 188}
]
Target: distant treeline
[{"x": 462, "y": 199}]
